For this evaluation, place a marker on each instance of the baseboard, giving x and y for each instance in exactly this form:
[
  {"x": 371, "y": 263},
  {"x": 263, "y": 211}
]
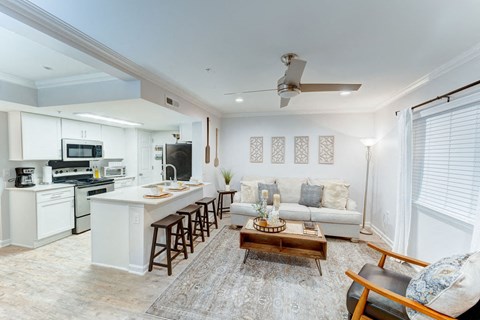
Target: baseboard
[
  {"x": 382, "y": 235},
  {"x": 5, "y": 243}
]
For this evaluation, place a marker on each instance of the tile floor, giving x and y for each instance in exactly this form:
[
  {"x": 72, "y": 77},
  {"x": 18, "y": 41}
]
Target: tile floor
[{"x": 57, "y": 281}]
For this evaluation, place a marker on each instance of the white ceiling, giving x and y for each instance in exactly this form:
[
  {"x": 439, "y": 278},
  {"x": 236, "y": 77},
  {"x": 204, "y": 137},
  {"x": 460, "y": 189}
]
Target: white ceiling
[
  {"x": 385, "y": 45},
  {"x": 25, "y": 59}
]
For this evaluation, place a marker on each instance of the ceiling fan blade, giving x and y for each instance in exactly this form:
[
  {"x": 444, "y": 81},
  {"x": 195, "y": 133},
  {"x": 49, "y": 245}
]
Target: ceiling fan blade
[
  {"x": 284, "y": 102},
  {"x": 253, "y": 91},
  {"x": 294, "y": 71},
  {"x": 317, "y": 87}
]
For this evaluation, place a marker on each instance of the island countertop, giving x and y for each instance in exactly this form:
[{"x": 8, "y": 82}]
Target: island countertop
[{"x": 135, "y": 195}]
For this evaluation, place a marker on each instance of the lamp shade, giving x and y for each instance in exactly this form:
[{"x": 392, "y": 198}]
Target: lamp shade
[{"x": 368, "y": 142}]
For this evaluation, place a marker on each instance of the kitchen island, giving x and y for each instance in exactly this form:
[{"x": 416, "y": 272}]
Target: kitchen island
[{"x": 120, "y": 224}]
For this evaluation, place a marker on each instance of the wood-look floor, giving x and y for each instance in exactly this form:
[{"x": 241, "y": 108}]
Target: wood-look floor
[{"x": 57, "y": 281}]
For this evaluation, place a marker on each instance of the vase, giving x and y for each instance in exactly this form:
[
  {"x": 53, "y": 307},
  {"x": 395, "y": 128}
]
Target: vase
[
  {"x": 227, "y": 187},
  {"x": 262, "y": 222}
]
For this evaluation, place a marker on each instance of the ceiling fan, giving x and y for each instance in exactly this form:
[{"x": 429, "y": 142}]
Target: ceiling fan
[{"x": 289, "y": 85}]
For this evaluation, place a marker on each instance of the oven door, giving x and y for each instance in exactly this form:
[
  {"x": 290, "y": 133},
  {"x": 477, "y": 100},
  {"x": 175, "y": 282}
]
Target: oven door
[
  {"x": 82, "y": 203},
  {"x": 81, "y": 150}
]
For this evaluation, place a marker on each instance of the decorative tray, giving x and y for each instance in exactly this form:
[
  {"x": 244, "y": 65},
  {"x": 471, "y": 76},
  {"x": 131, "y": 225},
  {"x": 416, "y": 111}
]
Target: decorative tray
[
  {"x": 282, "y": 225},
  {"x": 184, "y": 188},
  {"x": 160, "y": 196},
  {"x": 194, "y": 184}
]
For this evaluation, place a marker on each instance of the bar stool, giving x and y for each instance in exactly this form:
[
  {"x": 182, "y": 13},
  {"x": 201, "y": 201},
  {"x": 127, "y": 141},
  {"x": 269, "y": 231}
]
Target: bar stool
[
  {"x": 196, "y": 230},
  {"x": 168, "y": 223},
  {"x": 206, "y": 213},
  {"x": 221, "y": 209}
]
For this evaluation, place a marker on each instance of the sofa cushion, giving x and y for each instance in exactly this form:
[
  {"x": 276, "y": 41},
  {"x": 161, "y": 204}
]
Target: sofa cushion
[
  {"x": 450, "y": 286},
  {"x": 245, "y": 209},
  {"x": 294, "y": 211},
  {"x": 271, "y": 188},
  {"x": 268, "y": 180},
  {"x": 322, "y": 181},
  {"x": 329, "y": 215},
  {"x": 249, "y": 191},
  {"x": 335, "y": 195},
  {"x": 290, "y": 189},
  {"x": 311, "y": 196}
]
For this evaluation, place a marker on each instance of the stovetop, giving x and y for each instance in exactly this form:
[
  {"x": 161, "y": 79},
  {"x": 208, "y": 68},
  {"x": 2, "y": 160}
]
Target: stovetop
[
  {"x": 79, "y": 176},
  {"x": 85, "y": 181}
]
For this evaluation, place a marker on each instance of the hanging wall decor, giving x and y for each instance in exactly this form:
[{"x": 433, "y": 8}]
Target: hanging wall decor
[
  {"x": 301, "y": 150},
  {"x": 256, "y": 149},
  {"x": 278, "y": 149},
  {"x": 326, "y": 148}
]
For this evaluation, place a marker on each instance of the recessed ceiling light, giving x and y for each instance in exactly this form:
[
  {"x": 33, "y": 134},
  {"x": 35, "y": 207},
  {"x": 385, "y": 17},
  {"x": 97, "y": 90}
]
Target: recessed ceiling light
[
  {"x": 108, "y": 119},
  {"x": 47, "y": 68},
  {"x": 345, "y": 93},
  {"x": 239, "y": 100}
]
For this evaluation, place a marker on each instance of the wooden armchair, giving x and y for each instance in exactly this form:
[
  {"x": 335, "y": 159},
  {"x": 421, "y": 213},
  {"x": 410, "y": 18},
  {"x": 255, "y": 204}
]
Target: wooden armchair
[{"x": 387, "y": 300}]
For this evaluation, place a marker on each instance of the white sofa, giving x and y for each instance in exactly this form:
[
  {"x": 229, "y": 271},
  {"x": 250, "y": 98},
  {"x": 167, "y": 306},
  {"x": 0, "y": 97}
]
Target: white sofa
[{"x": 334, "y": 222}]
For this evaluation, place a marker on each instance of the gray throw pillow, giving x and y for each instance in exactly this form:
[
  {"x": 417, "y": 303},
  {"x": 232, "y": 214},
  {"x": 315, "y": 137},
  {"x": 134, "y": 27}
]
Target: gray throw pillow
[
  {"x": 311, "y": 196},
  {"x": 272, "y": 189}
]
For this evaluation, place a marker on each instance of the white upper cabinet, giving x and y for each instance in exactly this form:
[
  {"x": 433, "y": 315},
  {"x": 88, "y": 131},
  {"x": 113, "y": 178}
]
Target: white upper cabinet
[
  {"x": 113, "y": 142},
  {"x": 34, "y": 137},
  {"x": 72, "y": 129},
  {"x": 186, "y": 132}
]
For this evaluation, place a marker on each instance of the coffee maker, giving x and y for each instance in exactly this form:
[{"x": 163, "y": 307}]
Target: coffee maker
[{"x": 24, "y": 177}]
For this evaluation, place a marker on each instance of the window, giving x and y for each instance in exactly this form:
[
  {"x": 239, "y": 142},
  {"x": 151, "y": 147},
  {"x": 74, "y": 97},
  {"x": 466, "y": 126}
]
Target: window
[{"x": 446, "y": 161}]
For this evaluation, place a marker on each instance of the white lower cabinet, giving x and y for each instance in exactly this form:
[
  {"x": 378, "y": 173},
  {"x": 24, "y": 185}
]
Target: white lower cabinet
[{"x": 40, "y": 217}]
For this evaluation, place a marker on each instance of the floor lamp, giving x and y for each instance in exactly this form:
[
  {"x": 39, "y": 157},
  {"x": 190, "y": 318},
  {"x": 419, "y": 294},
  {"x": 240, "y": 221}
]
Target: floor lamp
[{"x": 367, "y": 143}]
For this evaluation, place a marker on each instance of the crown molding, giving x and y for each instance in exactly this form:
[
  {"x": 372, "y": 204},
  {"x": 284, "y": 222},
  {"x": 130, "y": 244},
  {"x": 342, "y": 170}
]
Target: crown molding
[
  {"x": 17, "y": 80},
  {"x": 74, "y": 80},
  {"x": 456, "y": 62},
  {"x": 36, "y": 17},
  {"x": 291, "y": 113}
]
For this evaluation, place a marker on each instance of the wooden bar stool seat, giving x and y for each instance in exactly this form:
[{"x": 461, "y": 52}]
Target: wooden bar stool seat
[
  {"x": 168, "y": 223},
  {"x": 221, "y": 207},
  {"x": 194, "y": 225},
  {"x": 205, "y": 202}
]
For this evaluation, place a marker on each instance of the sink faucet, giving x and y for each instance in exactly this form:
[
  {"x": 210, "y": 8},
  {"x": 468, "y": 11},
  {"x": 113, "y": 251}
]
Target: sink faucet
[{"x": 174, "y": 171}]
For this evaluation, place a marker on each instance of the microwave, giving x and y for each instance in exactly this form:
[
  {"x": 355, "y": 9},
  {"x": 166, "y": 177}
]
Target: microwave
[
  {"x": 81, "y": 150},
  {"x": 114, "y": 171}
]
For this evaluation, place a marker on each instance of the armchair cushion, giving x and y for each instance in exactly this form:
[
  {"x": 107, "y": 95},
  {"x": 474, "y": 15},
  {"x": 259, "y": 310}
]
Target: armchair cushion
[
  {"x": 379, "y": 307},
  {"x": 450, "y": 286}
]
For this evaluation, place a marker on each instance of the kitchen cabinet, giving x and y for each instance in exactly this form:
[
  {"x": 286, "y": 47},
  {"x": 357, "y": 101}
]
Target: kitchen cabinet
[
  {"x": 40, "y": 217},
  {"x": 33, "y": 137},
  {"x": 113, "y": 142},
  {"x": 185, "y": 132},
  {"x": 72, "y": 129},
  {"x": 124, "y": 182}
]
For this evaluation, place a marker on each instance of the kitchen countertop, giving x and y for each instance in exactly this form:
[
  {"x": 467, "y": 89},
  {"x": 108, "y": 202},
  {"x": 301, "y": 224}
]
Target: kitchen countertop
[
  {"x": 135, "y": 195},
  {"x": 123, "y": 178},
  {"x": 42, "y": 187}
]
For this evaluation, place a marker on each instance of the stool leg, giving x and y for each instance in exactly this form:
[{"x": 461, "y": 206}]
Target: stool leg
[
  {"x": 190, "y": 233},
  {"x": 184, "y": 245},
  {"x": 152, "y": 252},
  {"x": 206, "y": 221},
  {"x": 198, "y": 222},
  {"x": 168, "y": 234},
  {"x": 214, "y": 215}
]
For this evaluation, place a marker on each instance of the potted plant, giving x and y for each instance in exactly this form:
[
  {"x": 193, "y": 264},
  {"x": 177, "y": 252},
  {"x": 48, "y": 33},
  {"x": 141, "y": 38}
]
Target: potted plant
[
  {"x": 262, "y": 213},
  {"x": 227, "y": 176}
]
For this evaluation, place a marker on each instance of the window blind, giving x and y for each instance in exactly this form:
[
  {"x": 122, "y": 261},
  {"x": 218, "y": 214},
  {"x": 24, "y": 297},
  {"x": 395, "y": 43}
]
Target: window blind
[{"x": 446, "y": 162}]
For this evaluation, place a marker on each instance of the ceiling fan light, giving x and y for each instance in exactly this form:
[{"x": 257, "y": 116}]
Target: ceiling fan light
[
  {"x": 239, "y": 100},
  {"x": 288, "y": 91}
]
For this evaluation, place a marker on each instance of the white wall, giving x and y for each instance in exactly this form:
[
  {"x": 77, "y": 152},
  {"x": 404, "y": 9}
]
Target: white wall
[
  {"x": 432, "y": 237},
  {"x": 350, "y": 162}
]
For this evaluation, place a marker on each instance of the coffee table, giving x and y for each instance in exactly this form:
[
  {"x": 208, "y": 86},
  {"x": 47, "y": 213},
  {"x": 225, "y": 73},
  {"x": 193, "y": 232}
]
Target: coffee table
[{"x": 299, "y": 245}]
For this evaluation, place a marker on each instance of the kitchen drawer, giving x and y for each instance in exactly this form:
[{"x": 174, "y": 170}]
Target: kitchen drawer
[{"x": 55, "y": 194}]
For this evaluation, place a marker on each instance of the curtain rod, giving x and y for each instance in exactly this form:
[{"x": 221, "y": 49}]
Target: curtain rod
[{"x": 444, "y": 96}]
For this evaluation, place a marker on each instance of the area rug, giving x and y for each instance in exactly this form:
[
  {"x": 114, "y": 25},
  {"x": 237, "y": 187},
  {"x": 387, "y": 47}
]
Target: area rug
[{"x": 217, "y": 285}]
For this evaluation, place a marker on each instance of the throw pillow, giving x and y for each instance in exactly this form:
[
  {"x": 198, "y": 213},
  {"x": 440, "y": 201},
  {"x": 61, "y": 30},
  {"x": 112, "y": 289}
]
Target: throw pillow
[
  {"x": 271, "y": 188},
  {"x": 249, "y": 191},
  {"x": 335, "y": 195},
  {"x": 450, "y": 286},
  {"x": 311, "y": 196}
]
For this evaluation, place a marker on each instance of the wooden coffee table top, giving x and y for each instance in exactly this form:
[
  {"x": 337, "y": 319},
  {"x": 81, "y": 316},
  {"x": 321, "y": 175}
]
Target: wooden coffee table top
[{"x": 301, "y": 245}]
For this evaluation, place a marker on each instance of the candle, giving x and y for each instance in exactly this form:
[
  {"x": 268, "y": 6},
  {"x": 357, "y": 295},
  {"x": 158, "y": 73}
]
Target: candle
[
  {"x": 264, "y": 194},
  {"x": 276, "y": 200}
]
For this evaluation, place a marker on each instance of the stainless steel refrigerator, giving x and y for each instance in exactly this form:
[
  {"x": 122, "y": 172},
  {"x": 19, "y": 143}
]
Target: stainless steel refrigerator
[{"x": 180, "y": 156}]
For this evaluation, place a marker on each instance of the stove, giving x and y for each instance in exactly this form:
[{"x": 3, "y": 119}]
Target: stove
[{"x": 80, "y": 175}]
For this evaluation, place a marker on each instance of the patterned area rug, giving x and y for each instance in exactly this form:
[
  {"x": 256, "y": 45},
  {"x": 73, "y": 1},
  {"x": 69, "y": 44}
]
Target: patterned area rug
[{"x": 217, "y": 285}]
